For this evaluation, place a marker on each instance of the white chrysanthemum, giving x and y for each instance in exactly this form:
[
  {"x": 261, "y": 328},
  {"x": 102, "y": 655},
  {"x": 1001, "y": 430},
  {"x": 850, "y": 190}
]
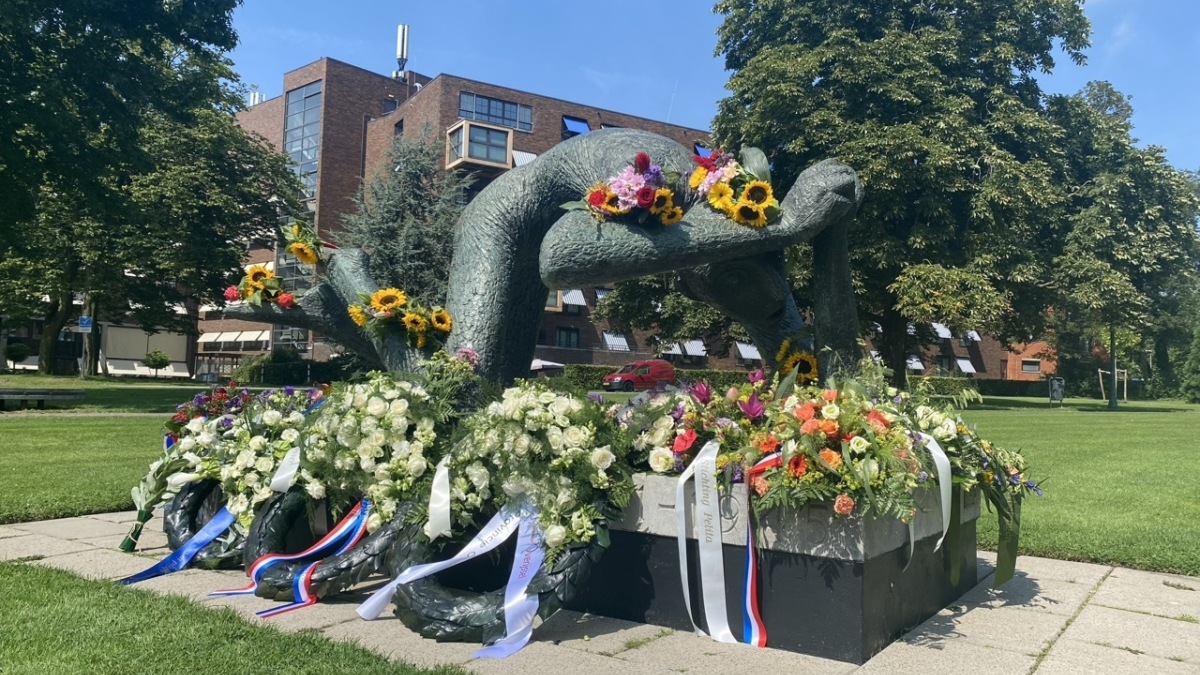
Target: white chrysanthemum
[
  {"x": 662, "y": 460},
  {"x": 239, "y": 504},
  {"x": 290, "y": 435}
]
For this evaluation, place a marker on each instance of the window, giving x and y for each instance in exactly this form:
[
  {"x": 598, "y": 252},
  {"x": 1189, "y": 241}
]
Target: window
[
  {"x": 965, "y": 341},
  {"x": 456, "y": 142},
  {"x": 389, "y": 105},
  {"x": 943, "y": 365},
  {"x": 566, "y": 337},
  {"x": 504, "y": 113},
  {"x": 552, "y": 300},
  {"x": 573, "y": 310},
  {"x": 295, "y": 277},
  {"x": 1031, "y": 365},
  {"x": 302, "y": 133},
  {"x": 489, "y": 145},
  {"x": 574, "y": 126},
  {"x": 398, "y": 130}
]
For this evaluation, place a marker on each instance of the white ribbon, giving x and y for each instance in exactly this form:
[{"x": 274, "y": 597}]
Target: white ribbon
[
  {"x": 519, "y": 607},
  {"x": 497, "y": 530},
  {"x": 708, "y": 536},
  {"x": 944, "y": 478},
  {"x": 439, "y": 501},
  {"x": 286, "y": 473}
]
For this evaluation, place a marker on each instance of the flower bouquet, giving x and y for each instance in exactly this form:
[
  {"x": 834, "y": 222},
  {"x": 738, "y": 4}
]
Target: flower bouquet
[
  {"x": 641, "y": 190},
  {"x": 390, "y": 309},
  {"x": 303, "y": 243},
  {"x": 260, "y": 285},
  {"x": 741, "y": 191}
]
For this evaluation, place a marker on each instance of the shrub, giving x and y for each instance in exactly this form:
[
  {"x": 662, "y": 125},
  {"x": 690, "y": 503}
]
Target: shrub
[
  {"x": 16, "y": 352},
  {"x": 156, "y": 360},
  {"x": 943, "y": 386}
]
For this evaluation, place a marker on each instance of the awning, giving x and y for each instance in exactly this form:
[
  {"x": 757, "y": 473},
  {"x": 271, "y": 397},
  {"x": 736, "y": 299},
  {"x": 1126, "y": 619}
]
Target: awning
[
  {"x": 615, "y": 343},
  {"x": 521, "y": 158},
  {"x": 249, "y": 336},
  {"x": 122, "y": 367},
  {"x": 574, "y": 297},
  {"x": 575, "y": 125},
  {"x": 973, "y": 335},
  {"x": 965, "y": 365},
  {"x": 673, "y": 349},
  {"x": 748, "y": 351},
  {"x": 539, "y": 364},
  {"x": 942, "y": 332},
  {"x": 601, "y": 292},
  {"x": 695, "y": 348},
  {"x": 914, "y": 362},
  {"x": 210, "y": 337}
]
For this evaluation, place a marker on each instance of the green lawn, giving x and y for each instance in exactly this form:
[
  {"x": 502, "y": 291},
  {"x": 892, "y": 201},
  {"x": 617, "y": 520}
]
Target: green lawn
[
  {"x": 59, "y": 623},
  {"x": 1121, "y": 487},
  {"x": 107, "y": 394},
  {"x": 52, "y": 467}
]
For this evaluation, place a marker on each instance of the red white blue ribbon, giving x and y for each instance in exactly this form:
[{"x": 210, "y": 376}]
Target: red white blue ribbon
[
  {"x": 346, "y": 534},
  {"x": 754, "y": 630}
]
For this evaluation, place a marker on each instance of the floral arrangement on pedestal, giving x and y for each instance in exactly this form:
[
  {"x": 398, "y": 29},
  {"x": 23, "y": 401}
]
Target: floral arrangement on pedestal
[
  {"x": 390, "y": 310},
  {"x": 642, "y": 190},
  {"x": 742, "y": 191}
]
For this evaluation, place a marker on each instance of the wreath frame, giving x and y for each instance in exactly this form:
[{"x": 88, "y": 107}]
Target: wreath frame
[{"x": 192, "y": 507}]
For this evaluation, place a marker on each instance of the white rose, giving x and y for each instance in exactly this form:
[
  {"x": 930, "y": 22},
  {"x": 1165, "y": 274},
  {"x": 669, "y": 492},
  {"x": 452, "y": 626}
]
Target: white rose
[
  {"x": 272, "y": 418},
  {"x": 859, "y": 444},
  {"x": 575, "y": 436},
  {"x": 257, "y": 443},
  {"x": 391, "y": 394},
  {"x": 245, "y": 459},
  {"x": 315, "y": 454},
  {"x": 374, "y": 522},
  {"x": 376, "y": 406},
  {"x": 360, "y": 398},
  {"x": 367, "y": 464},
  {"x": 206, "y": 438},
  {"x": 290, "y": 435},
  {"x": 560, "y": 405},
  {"x": 264, "y": 464},
  {"x": 195, "y": 425},
  {"x": 555, "y": 536},
  {"x": 478, "y": 475},
  {"x": 315, "y": 490},
  {"x": 399, "y": 406},
  {"x": 295, "y": 418},
  {"x": 522, "y": 444},
  {"x": 562, "y": 421},
  {"x": 662, "y": 460},
  {"x": 831, "y": 411},
  {"x": 192, "y": 458},
  {"x": 228, "y": 472},
  {"x": 251, "y": 479},
  {"x": 416, "y": 466},
  {"x": 566, "y": 499},
  {"x": 660, "y": 436},
  {"x": 368, "y": 425},
  {"x": 602, "y": 458},
  {"x": 555, "y": 436},
  {"x": 187, "y": 444}
]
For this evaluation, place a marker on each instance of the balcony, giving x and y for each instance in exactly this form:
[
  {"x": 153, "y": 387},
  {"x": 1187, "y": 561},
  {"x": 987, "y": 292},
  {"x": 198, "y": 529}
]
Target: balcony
[{"x": 475, "y": 146}]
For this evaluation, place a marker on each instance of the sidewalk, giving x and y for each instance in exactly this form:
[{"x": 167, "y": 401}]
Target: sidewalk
[{"x": 1054, "y": 618}]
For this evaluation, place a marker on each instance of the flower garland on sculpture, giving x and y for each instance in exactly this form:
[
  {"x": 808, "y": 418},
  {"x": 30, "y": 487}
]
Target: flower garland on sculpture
[
  {"x": 641, "y": 190},
  {"x": 742, "y": 191},
  {"x": 258, "y": 286},
  {"x": 391, "y": 310},
  {"x": 302, "y": 242}
]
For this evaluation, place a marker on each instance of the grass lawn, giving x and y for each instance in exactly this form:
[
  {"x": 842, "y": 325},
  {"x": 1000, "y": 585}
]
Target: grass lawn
[
  {"x": 59, "y": 623},
  {"x": 107, "y": 394},
  {"x": 52, "y": 467},
  {"x": 1120, "y": 486}
]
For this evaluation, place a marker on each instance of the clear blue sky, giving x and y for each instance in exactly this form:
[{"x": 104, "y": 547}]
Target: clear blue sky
[{"x": 654, "y": 58}]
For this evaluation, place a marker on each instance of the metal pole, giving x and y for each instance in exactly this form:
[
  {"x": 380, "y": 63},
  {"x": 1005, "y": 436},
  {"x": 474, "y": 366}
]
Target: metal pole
[{"x": 1112, "y": 353}]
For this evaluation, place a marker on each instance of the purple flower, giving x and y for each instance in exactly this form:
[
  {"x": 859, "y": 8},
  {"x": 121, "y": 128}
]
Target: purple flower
[
  {"x": 701, "y": 392},
  {"x": 896, "y": 400},
  {"x": 467, "y": 354},
  {"x": 226, "y": 422},
  {"x": 596, "y": 397},
  {"x": 289, "y": 390},
  {"x": 734, "y": 472},
  {"x": 922, "y": 477},
  {"x": 678, "y": 412},
  {"x": 752, "y": 408},
  {"x": 199, "y": 400},
  {"x": 756, "y": 376},
  {"x": 725, "y": 422},
  {"x": 679, "y": 464},
  {"x": 181, "y": 407},
  {"x": 654, "y": 176}
]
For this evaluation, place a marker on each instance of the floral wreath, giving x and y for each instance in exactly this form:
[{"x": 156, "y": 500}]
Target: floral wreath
[{"x": 641, "y": 190}]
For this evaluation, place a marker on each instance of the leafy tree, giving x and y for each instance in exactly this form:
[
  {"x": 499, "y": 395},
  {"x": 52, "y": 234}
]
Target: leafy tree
[
  {"x": 936, "y": 106},
  {"x": 156, "y": 360},
  {"x": 654, "y": 302},
  {"x": 1189, "y": 384},
  {"x": 15, "y": 352},
  {"x": 405, "y": 217}
]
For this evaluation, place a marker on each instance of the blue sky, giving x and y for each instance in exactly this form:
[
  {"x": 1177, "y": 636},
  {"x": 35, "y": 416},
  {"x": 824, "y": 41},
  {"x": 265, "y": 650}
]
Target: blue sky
[{"x": 654, "y": 58}]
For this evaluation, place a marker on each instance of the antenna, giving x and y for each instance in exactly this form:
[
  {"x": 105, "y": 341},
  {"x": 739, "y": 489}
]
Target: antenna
[{"x": 401, "y": 46}]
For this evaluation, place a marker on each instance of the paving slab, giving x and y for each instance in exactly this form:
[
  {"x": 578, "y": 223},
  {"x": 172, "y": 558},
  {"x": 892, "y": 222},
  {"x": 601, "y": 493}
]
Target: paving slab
[
  {"x": 96, "y": 563},
  {"x": 541, "y": 658},
  {"x": 7, "y": 531},
  {"x": 192, "y": 584},
  {"x": 901, "y": 658},
  {"x": 597, "y": 634},
  {"x": 29, "y": 545},
  {"x": 126, "y": 517},
  {"x": 1026, "y": 592},
  {"x": 1061, "y": 570},
  {"x": 1166, "y": 595},
  {"x": 322, "y": 615},
  {"x": 1164, "y": 638},
  {"x": 148, "y": 542},
  {"x": 73, "y": 528},
  {"x": 387, "y": 636},
  {"x": 685, "y": 652},
  {"x": 1070, "y": 657},
  {"x": 1008, "y": 628}
]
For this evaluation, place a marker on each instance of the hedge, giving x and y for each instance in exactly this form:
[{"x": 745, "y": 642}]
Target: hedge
[
  {"x": 589, "y": 377},
  {"x": 952, "y": 386}
]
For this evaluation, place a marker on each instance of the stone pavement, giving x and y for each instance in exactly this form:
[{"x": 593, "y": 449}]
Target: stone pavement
[{"x": 1054, "y": 618}]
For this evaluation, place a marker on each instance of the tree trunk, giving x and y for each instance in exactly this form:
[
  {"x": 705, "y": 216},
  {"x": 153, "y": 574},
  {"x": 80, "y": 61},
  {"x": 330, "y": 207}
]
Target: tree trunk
[
  {"x": 56, "y": 318},
  {"x": 1162, "y": 360},
  {"x": 893, "y": 344}
]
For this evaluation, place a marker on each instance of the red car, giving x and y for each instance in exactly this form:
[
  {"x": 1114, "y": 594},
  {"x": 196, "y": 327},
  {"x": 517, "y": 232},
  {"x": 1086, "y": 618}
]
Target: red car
[{"x": 640, "y": 375}]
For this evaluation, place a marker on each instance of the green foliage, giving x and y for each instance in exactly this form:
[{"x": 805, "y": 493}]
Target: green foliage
[
  {"x": 653, "y": 302},
  {"x": 156, "y": 360},
  {"x": 405, "y": 218},
  {"x": 586, "y": 377},
  {"x": 1189, "y": 381},
  {"x": 16, "y": 352},
  {"x": 943, "y": 386}
]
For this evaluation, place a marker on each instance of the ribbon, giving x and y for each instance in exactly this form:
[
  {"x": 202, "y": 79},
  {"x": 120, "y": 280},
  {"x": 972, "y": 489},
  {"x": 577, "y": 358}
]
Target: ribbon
[
  {"x": 944, "y": 478},
  {"x": 286, "y": 473},
  {"x": 439, "y": 501},
  {"x": 183, "y": 555},
  {"x": 708, "y": 530},
  {"x": 346, "y": 533},
  {"x": 754, "y": 629}
]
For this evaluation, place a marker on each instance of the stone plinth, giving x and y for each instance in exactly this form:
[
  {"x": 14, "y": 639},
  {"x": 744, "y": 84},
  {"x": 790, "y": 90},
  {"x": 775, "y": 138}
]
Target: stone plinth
[{"x": 831, "y": 586}]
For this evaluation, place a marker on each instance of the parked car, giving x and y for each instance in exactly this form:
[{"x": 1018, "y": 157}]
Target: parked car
[{"x": 640, "y": 375}]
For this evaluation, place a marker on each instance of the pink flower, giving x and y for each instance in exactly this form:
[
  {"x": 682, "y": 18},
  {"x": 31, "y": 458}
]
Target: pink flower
[
  {"x": 232, "y": 294},
  {"x": 843, "y": 505},
  {"x": 286, "y": 300},
  {"x": 702, "y": 393},
  {"x": 732, "y": 394},
  {"x": 753, "y": 407},
  {"x": 684, "y": 441},
  {"x": 830, "y": 395},
  {"x": 467, "y": 354},
  {"x": 757, "y": 376}
]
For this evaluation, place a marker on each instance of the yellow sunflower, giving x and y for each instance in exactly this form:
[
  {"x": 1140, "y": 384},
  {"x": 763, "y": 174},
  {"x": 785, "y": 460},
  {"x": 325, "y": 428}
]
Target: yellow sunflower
[
  {"x": 806, "y": 367},
  {"x": 421, "y": 339},
  {"x": 758, "y": 192},
  {"x": 296, "y": 230},
  {"x": 441, "y": 320},
  {"x": 415, "y": 323},
  {"x": 358, "y": 316},
  {"x": 664, "y": 200},
  {"x": 303, "y": 252},
  {"x": 749, "y": 213},
  {"x": 697, "y": 177},
  {"x": 672, "y": 216},
  {"x": 388, "y": 300},
  {"x": 783, "y": 350},
  {"x": 257, "y": 275},
  {"x": 612, "y": 204},
  {"x": 720, "y": 196}
]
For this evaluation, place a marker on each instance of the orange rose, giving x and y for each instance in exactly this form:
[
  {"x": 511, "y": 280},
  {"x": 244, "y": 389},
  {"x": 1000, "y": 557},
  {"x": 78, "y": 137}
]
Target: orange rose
[
  {"x": 829, "y": 427},
  {"x": 832, "y": 458}
]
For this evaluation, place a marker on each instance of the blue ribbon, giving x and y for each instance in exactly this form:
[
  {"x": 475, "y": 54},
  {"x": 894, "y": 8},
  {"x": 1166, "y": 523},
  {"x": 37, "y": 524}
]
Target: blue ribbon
[{"x": 183, "y": 555}]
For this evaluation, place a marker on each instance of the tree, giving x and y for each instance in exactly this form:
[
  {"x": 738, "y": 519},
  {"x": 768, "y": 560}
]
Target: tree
[
  {"x": 936, "y": 106},
  {"x": 405, "y": 216},
  {"x": 1189, "y": 381},
  {"x": 16, "y": 352},
  {"x": 76, "y": 79},
  {"x": 156, "y": 360},
  {"x": 654, "y": 302}
]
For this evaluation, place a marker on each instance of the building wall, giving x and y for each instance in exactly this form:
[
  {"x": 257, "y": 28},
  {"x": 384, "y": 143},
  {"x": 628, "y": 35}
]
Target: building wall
[{"x": 1034, "y": 351}]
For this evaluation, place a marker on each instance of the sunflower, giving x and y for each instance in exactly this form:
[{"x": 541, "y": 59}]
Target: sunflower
[
  {"x": 671, "y": 216},
  {"x": 698, "y": 177},
  {"x": 806, "y": 367},
  {"x": 388, "y": 299},
  {"x": 612, "y": 204},
  {"x": 295, "y": 230},
  {"x": 421, "y": 339},
  {"x": 783, "y": 349},
  {"x": 758, "y": 192},
  {"x": 749, "y": 213},
  {"x": 257, "y": 275},
  {"x": 664, "y": 200},
  {"x": 415, "y": 323},
  {"x": 440, "y": 319},
  {"x": 720, "y": 196},
  {"x": 303, "y": 252},
  {"x": 358, "y": 316}
]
